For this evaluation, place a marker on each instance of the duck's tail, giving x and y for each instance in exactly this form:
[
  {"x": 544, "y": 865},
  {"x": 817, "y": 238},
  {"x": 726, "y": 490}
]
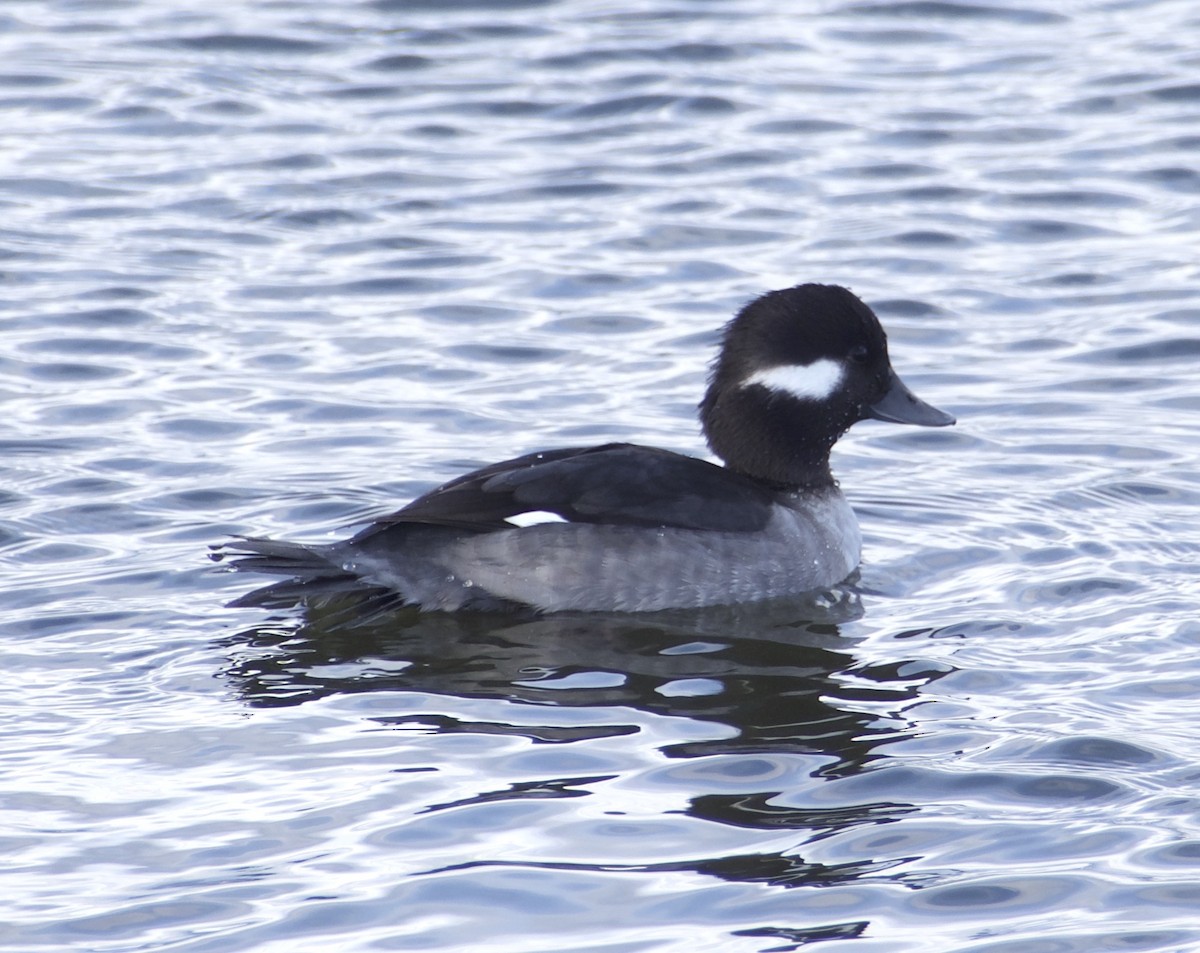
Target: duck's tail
[
  {"x": 306, "y": 566},
  {"x": 276, "y": 557}
]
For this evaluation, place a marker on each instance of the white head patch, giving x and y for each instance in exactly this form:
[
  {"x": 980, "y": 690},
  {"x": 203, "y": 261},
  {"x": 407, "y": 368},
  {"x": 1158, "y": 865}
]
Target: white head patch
[{"x": 815, "y": 381}]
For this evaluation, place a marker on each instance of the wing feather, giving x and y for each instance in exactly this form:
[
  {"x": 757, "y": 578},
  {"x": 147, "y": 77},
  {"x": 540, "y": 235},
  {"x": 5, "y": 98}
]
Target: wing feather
[{"x": 615, "y": 484}]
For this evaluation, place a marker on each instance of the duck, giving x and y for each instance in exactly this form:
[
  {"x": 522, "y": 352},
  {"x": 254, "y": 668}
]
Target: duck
[{"x": 623, "y": 527}]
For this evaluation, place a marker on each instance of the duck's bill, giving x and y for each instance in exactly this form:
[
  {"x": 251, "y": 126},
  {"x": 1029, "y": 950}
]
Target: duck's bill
[{"x": 899, "y": 405}]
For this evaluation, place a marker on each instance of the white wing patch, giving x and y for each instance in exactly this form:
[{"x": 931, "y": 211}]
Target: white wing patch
[
  {"x": 815, "y": 381},
  {"x": 534, "y": 518}
]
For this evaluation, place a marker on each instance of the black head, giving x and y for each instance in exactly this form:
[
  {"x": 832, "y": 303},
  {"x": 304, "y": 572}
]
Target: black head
[{"x": 796, "y": 369}]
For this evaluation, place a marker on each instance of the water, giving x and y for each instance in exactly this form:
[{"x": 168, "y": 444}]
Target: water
[{"x": 277, "y": 267}]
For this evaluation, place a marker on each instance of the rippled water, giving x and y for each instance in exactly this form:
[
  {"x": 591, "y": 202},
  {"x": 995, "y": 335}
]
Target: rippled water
[{"x": 275, "y": 267}]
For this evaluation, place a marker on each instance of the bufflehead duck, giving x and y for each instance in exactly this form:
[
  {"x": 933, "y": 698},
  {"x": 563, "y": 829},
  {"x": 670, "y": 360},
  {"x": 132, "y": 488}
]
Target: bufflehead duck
[{"x": 627, "y": 528}]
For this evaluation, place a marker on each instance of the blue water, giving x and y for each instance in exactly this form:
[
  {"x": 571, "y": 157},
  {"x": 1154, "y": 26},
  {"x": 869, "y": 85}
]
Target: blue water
[{"x": 275, "y": 268}]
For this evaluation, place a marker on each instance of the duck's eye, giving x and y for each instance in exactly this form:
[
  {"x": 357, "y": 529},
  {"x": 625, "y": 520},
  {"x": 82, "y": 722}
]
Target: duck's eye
[{"x": 859, "y": 354}]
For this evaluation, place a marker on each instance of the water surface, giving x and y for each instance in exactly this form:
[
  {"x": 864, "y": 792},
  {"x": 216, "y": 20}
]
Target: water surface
[{"x": 275, "y": 268}]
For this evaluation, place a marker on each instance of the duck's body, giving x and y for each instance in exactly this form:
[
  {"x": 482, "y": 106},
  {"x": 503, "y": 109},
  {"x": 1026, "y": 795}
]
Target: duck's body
[
  {"x": 609, "y": 535},
  {"x": 626, "y": 528}
]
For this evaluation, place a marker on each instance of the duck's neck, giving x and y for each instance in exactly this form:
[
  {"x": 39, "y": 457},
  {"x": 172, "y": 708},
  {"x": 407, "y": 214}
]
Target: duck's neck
[
  {"x": 791, "y": 479},
  {"x": 781, "y": 450}
]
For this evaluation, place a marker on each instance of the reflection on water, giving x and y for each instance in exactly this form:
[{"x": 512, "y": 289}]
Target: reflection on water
[{"x": 779, "y": 678}]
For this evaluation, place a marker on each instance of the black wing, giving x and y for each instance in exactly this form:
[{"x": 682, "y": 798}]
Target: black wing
[{"x": 620, "y": 484}]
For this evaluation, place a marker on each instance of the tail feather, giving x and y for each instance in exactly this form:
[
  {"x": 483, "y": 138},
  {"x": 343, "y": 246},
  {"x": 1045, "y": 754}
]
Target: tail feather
[
  {"x": 279, "y": 558},
  {"x": 311, "y": 571}
]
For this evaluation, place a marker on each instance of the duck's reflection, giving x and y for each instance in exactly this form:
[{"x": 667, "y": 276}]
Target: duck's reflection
[
  {"x": 779, "y": 675},
  {"x": 777, "y": 679}
]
